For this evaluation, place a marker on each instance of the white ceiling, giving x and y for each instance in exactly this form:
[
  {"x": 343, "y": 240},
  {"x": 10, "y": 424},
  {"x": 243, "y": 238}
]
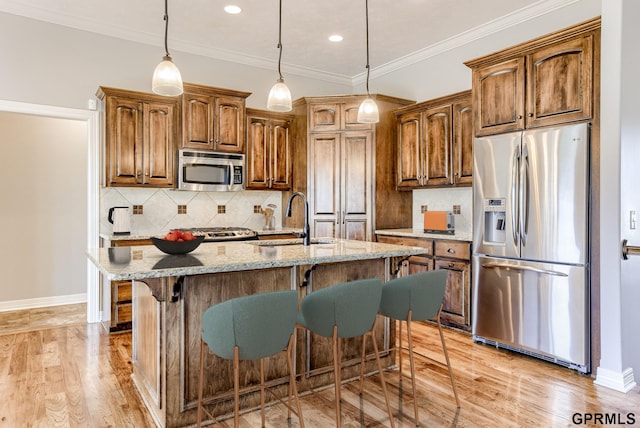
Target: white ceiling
[{"x": 400, "y": 31}]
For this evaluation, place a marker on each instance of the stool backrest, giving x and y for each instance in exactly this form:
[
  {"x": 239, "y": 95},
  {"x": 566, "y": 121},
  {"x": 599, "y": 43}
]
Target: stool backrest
[
  {"x": 259, "y": 324},
  {"x": 352, "y": 306},
  {"x": 421, "y": 293}
]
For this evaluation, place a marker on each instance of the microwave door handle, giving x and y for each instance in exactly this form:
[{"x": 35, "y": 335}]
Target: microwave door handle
[{"x": 230, "y": 166}]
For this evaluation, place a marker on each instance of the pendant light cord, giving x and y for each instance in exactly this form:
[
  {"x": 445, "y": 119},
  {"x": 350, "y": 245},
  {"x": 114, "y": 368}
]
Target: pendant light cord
[
  {"x": 166, "y": 26},
  {"x": 280, "y": 40},
  {"x": 366, "y": 8}
]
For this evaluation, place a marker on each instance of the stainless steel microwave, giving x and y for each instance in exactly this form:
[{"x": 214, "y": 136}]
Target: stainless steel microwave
[{"x": 210, "y": 171}]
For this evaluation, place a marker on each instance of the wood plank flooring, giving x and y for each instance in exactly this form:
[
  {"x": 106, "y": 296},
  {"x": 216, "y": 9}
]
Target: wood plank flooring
[{"x": 72, "y": 374}]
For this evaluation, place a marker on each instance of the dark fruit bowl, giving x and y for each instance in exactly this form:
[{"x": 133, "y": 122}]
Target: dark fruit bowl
[{"x": 174, "y": 247}]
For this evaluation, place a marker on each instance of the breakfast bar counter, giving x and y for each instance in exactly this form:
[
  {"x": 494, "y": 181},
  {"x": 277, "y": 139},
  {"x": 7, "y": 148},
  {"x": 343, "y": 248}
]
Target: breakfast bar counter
[{"x": 171, "y": 292}]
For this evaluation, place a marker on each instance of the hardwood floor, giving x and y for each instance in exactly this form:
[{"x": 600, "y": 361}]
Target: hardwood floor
[{"x": 72, "y": 374}]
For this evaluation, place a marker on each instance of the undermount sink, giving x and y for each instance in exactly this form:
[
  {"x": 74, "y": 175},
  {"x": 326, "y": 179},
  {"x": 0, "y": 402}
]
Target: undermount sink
[{"x": 298, "y": 241}]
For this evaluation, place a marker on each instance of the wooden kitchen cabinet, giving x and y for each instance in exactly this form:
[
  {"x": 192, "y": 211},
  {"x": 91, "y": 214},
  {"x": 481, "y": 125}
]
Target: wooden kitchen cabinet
[
  {"x": 346, "y": 169},
  {"x": 268, "y": 150},
  {"x": 547, "y": 81},
  {"x": 454, "y": 256},
  {"x": 435, "y": 143},
  {"x": 141, "y": 131},
  {"x": 213, "y": 118}
]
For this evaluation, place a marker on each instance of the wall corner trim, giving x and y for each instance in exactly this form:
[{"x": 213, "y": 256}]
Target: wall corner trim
[{"x": 619, "y": 381}]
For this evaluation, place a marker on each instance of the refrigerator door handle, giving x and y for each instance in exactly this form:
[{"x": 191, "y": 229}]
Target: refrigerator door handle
[
  {"x": 524, "y": 196},
  {"x": 514, "y": 196},
  {"x": 526, "y": 268}
]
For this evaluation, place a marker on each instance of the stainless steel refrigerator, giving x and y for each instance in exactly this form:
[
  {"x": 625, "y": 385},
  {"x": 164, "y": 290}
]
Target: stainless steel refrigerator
[{"x": 531, "y": 243}]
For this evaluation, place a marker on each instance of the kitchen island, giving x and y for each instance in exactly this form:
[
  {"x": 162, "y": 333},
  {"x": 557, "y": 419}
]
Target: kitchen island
[{"x": 170, "y": 293}]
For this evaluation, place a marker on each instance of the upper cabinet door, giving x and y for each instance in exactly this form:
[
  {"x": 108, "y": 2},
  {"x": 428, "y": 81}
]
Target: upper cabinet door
[
  {"x": 124, "y": 130},
  {"x": 437, "y": 137},
  {"x": 498, "y": 92},
  {"x": 409, "y": 151},
  {"x": 257, "y": 153},
  {"x": 159, "y": 153},
  {"x": 229, "y": 124},
  {"x": 463, "y": 142},
  {"x": 324, "y": 117},
  {"x": 280, "y": 155},
  {"x": 559, "y": 82},
  {"x": 350, "y": 117},
  {"x": 197, "y": 121}
]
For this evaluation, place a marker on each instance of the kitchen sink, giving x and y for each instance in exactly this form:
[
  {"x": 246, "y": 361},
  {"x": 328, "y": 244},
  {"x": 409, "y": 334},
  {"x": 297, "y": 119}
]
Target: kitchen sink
[{"x": 297, "y": 241}]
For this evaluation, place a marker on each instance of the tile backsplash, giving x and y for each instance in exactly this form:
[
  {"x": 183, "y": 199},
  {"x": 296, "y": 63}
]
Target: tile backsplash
[
  {"x": 444, "y": 200},
  {"x": 159, "y": 210}
]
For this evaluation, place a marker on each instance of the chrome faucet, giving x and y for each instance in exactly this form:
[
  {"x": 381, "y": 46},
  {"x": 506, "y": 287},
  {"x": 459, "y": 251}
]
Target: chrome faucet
[{"x": 306, "y": 238}]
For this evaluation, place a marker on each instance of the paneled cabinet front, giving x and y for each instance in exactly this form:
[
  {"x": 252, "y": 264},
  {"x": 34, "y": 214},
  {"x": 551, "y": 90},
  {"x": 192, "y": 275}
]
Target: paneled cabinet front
[
  {"x": 268, "y": 150},
  {"x": 140, "y": 134},
  {"x": 435, "y": 143},
  {"x": 213, "y": 119},
  {"x": 547, "y": 81},
  {"x": 341, "y": 184}
]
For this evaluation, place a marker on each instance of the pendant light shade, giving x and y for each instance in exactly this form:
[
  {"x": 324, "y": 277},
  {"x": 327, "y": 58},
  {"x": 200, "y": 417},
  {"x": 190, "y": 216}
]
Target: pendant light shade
[
  {"x": 368, "y": 111},
  {"x": 166, "y": 77},
  {"x": 279, "y": 96}
]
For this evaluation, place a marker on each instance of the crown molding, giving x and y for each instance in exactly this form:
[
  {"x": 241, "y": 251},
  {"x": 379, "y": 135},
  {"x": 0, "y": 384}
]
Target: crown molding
[
  {"x": 510, "y": 20},
  {"x": 537, "y": 9}
]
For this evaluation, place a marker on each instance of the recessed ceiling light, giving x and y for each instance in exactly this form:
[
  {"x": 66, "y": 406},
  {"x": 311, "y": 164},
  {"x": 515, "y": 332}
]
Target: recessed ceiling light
[
  {"x": 335, "y": 38},
  {"x": 232, "y": 9}
]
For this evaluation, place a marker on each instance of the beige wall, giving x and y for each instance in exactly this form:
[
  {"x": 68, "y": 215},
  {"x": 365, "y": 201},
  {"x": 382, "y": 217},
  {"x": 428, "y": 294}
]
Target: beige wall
[{"x": 43, "y": 208}]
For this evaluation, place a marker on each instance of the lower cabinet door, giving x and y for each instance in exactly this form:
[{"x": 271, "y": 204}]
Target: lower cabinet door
[{"x": 456, "y": 304}]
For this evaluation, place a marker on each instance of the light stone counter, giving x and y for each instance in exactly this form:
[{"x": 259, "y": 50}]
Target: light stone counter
[
  {"x": 142, "y": 262},
  {"x": 417, "y": 233}
]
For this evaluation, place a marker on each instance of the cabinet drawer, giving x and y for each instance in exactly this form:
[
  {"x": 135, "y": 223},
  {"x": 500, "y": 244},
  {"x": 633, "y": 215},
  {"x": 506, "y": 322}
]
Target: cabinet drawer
[
  {"x": 121, "y": 291},
  {"x": 410, "y": 242},
  {"x": 452, "y": 249},
  {"x": 123, "y": 313}
]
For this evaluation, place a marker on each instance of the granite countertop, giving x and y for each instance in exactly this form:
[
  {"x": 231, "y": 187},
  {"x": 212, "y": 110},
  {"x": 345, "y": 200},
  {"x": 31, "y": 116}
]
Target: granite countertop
[
  {"x": 126, "y": 263},
  {"x": 417, "y": 233}
]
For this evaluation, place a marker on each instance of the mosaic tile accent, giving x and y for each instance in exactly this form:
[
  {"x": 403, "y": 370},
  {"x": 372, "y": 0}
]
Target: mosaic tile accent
[
  {"x": 138, "y": 209},
  {"x": 182, "y": 209},
  {"x": 456, "y": 209},
  {"x": 222, "y": 209}
]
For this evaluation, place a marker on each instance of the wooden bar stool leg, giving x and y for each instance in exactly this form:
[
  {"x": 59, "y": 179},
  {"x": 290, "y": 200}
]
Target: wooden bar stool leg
[
  {"x": 364, "y": 345},
  {"x": 200, "y": 384},
  {"x": 236, "y": 388},
  {"x": 292, "y": 382},
  {"x": 446, "y": 356},
  {"x": 413, "y": 370},
  {"x": 262, "y": 391},
  {"x": 384, "y": 384},
  {"x": 400, "y": 350},
  {"x": 336, "y": 372}
]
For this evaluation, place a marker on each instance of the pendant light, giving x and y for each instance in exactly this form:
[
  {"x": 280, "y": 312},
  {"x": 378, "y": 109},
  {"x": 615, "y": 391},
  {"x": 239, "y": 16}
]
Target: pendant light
[
  {"x": 166, "y": 77},
  {"x": 279, "y": 96},
  {"x": 368, "y": 111}
]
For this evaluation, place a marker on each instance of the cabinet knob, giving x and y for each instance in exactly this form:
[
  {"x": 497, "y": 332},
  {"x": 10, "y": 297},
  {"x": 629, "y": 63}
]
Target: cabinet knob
[
  {"x": 451, "y": 251},
  {"x": 530, "y": 115},
  {"x": 519, "y": 116},
  {"x": 138, "y": 174}
]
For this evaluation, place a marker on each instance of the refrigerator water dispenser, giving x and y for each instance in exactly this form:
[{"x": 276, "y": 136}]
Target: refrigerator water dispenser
[{"x": 494, "y": 221}]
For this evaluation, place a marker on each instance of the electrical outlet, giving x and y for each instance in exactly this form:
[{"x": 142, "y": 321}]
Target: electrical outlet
[
  {"x": 632, "y": 220},
  {"x": 423, "y": 209}
]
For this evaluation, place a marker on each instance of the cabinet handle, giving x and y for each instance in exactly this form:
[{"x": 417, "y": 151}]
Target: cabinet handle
[
  {"x": 343, "y": 217},
  {"x": 450, "y": 265},
  {"x": 451, "y": 251},
  {"x": 530, "y": 115},
  {"x": 138, "y": 174},
  {"x": 519, "y": 116}
]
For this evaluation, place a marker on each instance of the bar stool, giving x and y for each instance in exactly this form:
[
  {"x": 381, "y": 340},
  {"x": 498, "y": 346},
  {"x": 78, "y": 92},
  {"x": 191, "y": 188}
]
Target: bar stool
[
  {"x": 250, "y": 328},
  {"x": 343, "y": 311},
  {"x": 416, "y": 297}
]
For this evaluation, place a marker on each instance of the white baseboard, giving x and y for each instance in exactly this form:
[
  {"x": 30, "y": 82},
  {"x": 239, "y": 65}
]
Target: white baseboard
[
  {"x": 622, "y": 382},
  {"x": 41, "y": 302}
]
